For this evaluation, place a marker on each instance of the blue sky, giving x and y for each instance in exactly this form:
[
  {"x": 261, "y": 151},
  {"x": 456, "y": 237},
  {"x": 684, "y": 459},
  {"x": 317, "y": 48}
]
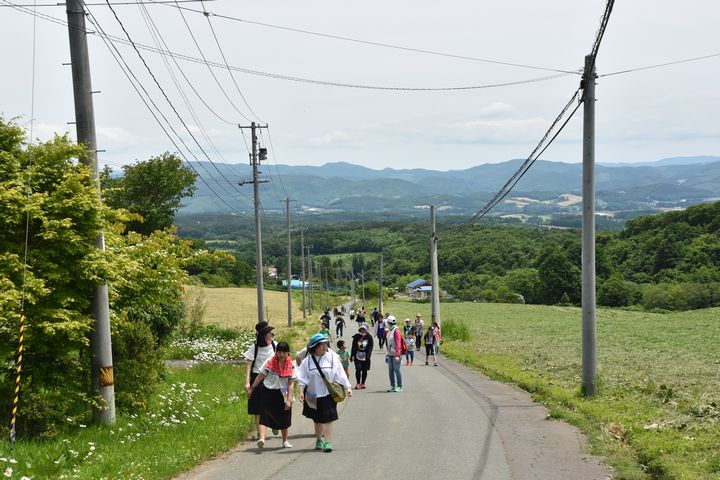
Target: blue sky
[{"x": 641, "y": 116}]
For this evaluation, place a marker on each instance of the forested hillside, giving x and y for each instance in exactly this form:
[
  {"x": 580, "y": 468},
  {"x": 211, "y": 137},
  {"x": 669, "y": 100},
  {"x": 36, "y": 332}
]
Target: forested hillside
[{"x": 666, "y": 261}]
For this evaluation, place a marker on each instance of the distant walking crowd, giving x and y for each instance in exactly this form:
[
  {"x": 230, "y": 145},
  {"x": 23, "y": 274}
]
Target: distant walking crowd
[{"x": 321, "y": 374}]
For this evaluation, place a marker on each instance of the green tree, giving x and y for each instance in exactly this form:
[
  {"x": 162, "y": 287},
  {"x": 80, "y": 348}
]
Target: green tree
[
  {"x": 616, "y": 292},
  {"x": 558, "y": 276},
  {"x": 153, "y": 189}
]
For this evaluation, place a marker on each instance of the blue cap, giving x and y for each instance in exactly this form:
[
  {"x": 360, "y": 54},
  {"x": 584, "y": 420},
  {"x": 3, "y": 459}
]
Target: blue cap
[{"x": 316, "y": 339}]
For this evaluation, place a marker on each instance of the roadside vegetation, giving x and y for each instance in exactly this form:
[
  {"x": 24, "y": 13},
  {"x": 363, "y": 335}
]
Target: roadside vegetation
[{"x": 657, "y": 413}]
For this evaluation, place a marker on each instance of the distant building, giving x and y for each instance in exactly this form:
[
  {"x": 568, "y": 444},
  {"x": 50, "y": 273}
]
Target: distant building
[
  {"x": 295, "y": 284},
  {"x": 419, "y": 289}
]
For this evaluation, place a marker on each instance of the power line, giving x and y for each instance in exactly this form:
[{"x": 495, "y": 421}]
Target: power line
[
  {"x": 376, "y": 44},
  {"x": 157, "y": 37},
  {"x": 222, "y": 53},
  {"x": 156, "y": 2},
  {"x": 167, "y": 99},
  {"x": 537, "y": 151},
  {"x": 675, "y": 62},
  {"x": 137, "y": 86},
  {"x": 601, "y": 32},
  {"x": 276, "y": 76}
]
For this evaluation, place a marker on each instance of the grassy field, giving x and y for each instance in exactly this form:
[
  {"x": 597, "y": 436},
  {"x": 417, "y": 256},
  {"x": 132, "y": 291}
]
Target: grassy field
[
  {"x": 237, "y": 307},
  {"x": 658, "y": 411},
  {"x": 199, "y": 413}
]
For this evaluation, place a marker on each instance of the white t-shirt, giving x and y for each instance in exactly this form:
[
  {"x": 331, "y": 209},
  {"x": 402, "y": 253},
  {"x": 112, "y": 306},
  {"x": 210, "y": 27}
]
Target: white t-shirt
[
  {"x": 263, "y": 354},
  {"x": 275, "y": 382}
]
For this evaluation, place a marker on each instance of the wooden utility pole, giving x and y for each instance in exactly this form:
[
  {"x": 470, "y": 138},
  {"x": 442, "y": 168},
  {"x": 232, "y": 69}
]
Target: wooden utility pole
[
  {"x": 101, "y": 372},
  {"x": 589, "y": 355},
  {"x": 435, "y": 306},
  {"x": 255, "y": 159}
]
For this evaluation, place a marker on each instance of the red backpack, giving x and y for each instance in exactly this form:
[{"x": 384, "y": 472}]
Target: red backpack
[{"x": 403, "y": 346}]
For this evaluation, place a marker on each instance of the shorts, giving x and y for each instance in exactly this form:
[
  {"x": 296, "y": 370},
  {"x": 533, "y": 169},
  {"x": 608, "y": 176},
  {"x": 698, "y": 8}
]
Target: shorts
[{"x": 325, "y": 412}]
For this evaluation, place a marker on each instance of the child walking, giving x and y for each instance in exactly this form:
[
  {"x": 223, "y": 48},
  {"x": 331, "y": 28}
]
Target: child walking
[
  {"x": 274, "y": 387},
  {"x": 410, "y": 355},
  {"x": 344, "y": 357}
]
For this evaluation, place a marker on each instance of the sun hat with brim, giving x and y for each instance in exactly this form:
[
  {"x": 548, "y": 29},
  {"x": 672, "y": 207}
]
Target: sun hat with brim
[
  {"x": 260, "y": 326},
  {"x": 317, "y": 339},
  {"x": 364, "y": 326},
  {"x": 265, "y": 330}
]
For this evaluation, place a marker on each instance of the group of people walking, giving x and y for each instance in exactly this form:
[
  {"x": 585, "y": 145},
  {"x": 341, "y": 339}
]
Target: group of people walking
[{"x": 272, "y": 376}]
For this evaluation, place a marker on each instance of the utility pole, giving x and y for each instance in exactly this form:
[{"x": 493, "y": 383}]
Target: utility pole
[
  {"x": 327, "y": 287},
  {"x": 380, "y": 305},
  {"x": 289, "y": 264},
  {"x": 101, "y": 373},
  {"x": 362, "y": 279},
  {"x": 312, "y": 290},
  {"x": 337, "y": 284},
  {"x": 352, "y": 287},
  {"x": 255, "y": 160},
  {"x": 589, "y": 355},
  {"x": 302, "y": 262},
  {"x": 435, "y": 306}
]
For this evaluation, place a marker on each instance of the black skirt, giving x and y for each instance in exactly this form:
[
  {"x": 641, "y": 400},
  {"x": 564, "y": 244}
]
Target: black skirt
[
  {"x": 325, "y": 412},
  {"x": 274, "y": 414},
  {"x": 255, "y": 402}
]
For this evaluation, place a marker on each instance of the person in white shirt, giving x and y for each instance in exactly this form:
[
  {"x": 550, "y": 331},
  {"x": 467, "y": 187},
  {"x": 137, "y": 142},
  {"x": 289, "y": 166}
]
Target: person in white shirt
[
  {"x": 274, "y": 384},
  {"x": 318, "y": 405},
  {"x": 256, "y": 355}
]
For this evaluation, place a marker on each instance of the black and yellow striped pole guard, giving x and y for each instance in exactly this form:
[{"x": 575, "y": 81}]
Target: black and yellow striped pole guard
[{"x": 18, "y": 371}]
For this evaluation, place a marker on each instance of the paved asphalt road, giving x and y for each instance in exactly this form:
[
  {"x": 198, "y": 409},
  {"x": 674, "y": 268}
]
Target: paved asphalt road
[{"x": 449, "y": 422}]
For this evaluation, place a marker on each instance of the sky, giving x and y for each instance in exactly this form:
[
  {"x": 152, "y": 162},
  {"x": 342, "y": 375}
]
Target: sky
[{"x": 640, "y": 116}]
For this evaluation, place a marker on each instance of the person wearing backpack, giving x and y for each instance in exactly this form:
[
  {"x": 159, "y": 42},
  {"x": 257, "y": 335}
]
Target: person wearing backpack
[
  {"x": 394, "y": 354},
  {"x": 256, "y": 355}
]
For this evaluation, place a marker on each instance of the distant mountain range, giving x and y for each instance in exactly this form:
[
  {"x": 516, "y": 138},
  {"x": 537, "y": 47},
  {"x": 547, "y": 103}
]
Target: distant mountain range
[{"x": 548, "y": 188}]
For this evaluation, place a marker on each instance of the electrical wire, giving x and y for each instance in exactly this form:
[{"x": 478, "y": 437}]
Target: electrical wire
[
  {"x": 537, "y": 151},
  {"x": 272, "y": 151},
  {"x": 675, "y": 62},
  {"x": 167, "y": 99},
  {"x": 277, "y": 76},
  {"x": 600, "y": 33},
  {"x": 222, "y": 53},
  {"x": 158, "y": 38},
  {"x": 208, "y": 14},
  {"x": 26, "y": 246},
  {"x": 154, "y": 109},
  {"x": 212, "y": 73}
]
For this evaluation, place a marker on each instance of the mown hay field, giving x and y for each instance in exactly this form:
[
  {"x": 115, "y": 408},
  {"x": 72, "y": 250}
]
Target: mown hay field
[{"x": 237, "y": 307}]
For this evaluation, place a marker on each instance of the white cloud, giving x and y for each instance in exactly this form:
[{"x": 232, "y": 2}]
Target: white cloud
[
  {"x": 509, "y": 130},
  {"x": 331, "y": 138}
]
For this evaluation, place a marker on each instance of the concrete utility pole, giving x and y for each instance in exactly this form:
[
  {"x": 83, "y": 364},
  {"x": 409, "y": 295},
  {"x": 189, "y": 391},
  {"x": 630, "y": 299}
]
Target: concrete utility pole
[
  {"x": 435, "y": 306},
  {"x": 589, "y": 355},
  {"x": 362, "y": 280},
  {"x": 380, "y": 305},
  {"x": 101, "y": 372},
  {"x": 352, "y": 287},
  {"x": 302, "y": 262},
  {"x": 327, "y": 288},
  {"x": 255, "y": 160},
  {"x": 312, "y": 290},
  {"x": 289, "y": 264}
]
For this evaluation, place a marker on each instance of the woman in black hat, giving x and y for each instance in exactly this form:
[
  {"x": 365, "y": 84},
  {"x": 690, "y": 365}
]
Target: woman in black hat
[{"x": 257, "y": 354}]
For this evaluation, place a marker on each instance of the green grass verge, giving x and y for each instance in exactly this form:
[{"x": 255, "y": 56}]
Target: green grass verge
[
  {"x": 199, "y": 413},
  {"x": 657, "y": 413}
]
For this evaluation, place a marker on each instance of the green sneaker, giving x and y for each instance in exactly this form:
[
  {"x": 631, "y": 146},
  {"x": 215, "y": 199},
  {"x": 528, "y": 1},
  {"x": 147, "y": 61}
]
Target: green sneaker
[
  {"x": 319, "y": 444},
  {"x": 327, "y": 448}
]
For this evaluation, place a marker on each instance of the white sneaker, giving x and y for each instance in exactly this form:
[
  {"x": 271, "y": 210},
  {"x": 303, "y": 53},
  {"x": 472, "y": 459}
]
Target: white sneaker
[
  {"x": 261, "y": 443},
  {"x": 286, "y": 444}
]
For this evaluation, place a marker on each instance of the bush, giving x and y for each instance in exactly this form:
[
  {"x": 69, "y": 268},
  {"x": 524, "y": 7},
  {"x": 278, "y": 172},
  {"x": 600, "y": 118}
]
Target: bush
[
  {"x": 616, "y": 292},
  {"x": 681, "y": 296},
  {"x": 455, "y": 330}
]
